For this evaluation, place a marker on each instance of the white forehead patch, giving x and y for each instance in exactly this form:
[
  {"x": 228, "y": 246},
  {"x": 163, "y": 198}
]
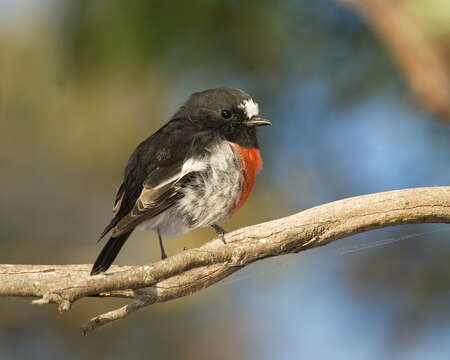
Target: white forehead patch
[{"x": 250, "y": 108}]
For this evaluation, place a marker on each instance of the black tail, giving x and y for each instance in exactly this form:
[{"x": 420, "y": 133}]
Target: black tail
[{"x": 109, "y": 253}]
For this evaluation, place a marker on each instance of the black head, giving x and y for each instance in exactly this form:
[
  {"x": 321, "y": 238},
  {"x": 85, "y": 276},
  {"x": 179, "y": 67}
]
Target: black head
[{"x": 230, "y": 112}]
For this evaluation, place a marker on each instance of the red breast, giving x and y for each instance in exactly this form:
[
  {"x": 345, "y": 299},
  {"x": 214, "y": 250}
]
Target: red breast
[{"x": 251, "y": 165}]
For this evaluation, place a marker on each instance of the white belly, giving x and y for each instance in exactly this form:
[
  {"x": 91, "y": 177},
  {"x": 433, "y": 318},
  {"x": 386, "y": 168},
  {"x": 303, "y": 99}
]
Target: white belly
[{"x": 209, "y": 199}]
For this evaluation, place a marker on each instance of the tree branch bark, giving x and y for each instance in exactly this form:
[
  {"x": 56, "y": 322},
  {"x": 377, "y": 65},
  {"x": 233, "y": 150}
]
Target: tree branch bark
[{"x": 195, "y": 269}]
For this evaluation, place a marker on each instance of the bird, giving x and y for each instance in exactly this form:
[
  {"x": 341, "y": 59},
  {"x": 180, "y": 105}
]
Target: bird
[{"x": 196, "y": 171}]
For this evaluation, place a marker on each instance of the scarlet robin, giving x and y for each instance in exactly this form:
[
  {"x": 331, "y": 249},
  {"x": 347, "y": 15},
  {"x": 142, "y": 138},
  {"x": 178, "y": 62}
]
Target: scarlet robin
[{"x": 196, "y": 171}]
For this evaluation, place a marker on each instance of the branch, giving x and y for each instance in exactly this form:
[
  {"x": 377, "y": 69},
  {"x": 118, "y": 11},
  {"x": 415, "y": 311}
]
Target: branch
[
  {"x": 195, "y": 269},
  {"x": 417, "y": 55}
]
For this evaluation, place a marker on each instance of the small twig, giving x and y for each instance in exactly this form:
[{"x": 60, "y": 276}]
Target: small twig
[{"x": 113, "y": 315}]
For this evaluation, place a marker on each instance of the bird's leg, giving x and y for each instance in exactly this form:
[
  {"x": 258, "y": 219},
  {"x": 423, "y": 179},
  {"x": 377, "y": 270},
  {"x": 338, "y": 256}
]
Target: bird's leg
[
  {"x": 163, "y": 253},
  {"x": 220, "y": 231}
]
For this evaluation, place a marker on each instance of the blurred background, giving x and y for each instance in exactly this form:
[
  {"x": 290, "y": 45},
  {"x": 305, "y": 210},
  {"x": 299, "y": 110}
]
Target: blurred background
[{"x": 358, "y": 93}]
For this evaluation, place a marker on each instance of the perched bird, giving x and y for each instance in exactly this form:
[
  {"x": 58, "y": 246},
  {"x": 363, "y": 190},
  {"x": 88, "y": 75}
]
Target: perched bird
[{"x": 196, "y": 171}]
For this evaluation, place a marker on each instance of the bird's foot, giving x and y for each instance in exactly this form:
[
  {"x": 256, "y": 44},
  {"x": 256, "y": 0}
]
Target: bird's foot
[
  {"x": 161, "y": 246},
  {"x": 220, "y": 231}
]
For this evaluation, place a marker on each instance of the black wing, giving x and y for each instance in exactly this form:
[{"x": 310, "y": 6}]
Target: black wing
[
  {"x": 153, "y": 200},
  {"x": 154, "y": 162},
  {"x": 157, "y": 194},
  {"x": 152, "y": 179}
]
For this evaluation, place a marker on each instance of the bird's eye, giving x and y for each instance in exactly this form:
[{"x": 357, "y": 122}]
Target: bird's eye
[{"x": 226, "y": 114}]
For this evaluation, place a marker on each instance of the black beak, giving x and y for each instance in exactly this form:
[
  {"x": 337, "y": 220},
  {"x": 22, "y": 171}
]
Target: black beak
[{"x": 258, "y": 121}]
